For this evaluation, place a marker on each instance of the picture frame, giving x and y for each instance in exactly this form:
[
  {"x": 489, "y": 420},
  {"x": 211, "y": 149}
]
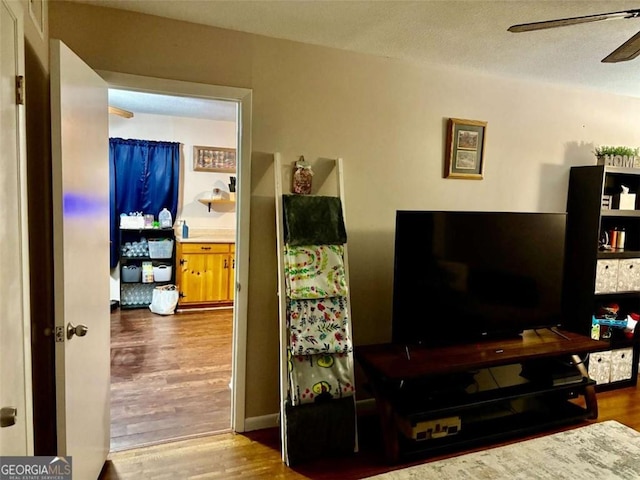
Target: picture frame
[
  {"x": 214, "y": 159},
  {"x": 464, "y": 156}
]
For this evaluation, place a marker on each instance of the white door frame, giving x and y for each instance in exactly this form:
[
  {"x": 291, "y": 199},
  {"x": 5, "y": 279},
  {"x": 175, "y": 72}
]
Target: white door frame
[
  {"x": 15, "y": 331},
  {"x": 242, "y": 97}
]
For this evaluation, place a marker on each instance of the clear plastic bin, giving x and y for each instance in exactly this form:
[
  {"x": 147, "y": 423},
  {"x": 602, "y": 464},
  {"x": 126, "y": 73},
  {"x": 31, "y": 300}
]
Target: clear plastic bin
[{"x": 160, "y": 247}]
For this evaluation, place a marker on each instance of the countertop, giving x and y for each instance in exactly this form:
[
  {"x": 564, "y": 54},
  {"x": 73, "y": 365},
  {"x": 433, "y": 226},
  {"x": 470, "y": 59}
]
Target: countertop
[{"x": 208, "y": 236}]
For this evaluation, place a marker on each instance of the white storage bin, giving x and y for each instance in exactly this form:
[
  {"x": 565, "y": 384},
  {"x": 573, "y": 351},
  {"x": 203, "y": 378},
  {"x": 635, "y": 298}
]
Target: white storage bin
[
  {"x": 606, "y": 276},
  {"x": 162, "y": 273},
  {"x": 600, "y": 367},
  {"x": 621, "y": 364},
  {"x": 629, "y": 275},
  {"x": 160, "y": 247}
]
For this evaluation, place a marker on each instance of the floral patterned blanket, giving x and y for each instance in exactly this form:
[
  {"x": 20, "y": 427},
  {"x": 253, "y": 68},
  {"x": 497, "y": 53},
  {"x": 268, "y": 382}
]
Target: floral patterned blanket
[{"x": 319, "y": 326}]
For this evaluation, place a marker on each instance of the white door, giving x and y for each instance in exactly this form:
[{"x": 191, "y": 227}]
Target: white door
[
  {"x": 80, "y": 154},
  {"x": 15, "y": 371}
]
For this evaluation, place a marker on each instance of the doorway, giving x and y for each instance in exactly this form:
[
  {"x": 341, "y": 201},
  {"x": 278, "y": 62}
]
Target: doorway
[
  {"x": 170, "y": 376},
  {"x": 183, "y": 375}
]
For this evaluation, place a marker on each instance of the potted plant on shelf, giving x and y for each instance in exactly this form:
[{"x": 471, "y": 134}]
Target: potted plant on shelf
[{"x": 618, "y": 156}]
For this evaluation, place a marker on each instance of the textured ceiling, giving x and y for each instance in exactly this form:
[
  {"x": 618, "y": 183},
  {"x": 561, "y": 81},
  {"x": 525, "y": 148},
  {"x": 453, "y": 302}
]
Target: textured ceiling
[
  {"x": 156, "y": 104},
  {"x": 468, "y": 34}
]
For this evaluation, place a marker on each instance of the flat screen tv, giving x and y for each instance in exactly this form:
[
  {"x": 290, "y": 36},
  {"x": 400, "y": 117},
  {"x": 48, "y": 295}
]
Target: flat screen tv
[{"x": 461, "y": 276}]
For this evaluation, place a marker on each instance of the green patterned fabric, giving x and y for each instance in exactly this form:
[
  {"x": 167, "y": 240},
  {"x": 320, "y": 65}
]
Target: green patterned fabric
[
  {"x": 313, "y": 220},
  {"x": 315, "y": 271}
]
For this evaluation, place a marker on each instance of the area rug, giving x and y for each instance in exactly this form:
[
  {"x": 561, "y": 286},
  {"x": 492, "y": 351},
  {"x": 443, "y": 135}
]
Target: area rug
[{"x": 601, "y": 451}]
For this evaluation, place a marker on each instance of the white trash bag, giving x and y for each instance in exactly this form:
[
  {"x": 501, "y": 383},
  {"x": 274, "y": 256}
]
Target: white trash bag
[{"x": 164, "y": 300}]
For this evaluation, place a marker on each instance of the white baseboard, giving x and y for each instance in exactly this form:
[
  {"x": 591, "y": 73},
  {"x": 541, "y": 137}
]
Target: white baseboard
[
  {"x": 258, "y": 423},
  {"x": 273, "y": 419}
]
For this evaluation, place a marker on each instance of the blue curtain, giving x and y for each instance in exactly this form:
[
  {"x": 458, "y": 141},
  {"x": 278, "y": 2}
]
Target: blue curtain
[{"x": 143, "y": 177}]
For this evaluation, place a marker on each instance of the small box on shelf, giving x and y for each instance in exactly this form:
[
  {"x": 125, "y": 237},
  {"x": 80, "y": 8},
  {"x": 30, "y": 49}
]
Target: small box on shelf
[
  {"x": 624, "y": 201},
  {"x": 147, "y": 272},
  {"x": 429, "y": 429},
  {"x": 132, "y": 222}
]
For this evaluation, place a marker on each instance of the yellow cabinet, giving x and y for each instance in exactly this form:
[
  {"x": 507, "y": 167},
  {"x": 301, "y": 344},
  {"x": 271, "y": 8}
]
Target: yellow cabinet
[
  {"x": 206, "y": 273},
  {"x": 232, "y": 271}
]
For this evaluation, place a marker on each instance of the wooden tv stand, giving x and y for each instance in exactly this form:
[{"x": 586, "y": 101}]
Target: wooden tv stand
[{"x": 480, "y": 386}]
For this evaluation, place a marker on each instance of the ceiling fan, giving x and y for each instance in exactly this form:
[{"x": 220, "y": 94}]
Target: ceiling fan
[{"x": 627, "y": 51}]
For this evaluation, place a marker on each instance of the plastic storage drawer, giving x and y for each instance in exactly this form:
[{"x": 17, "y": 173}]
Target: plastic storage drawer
[{"x": 131, "y": 274}]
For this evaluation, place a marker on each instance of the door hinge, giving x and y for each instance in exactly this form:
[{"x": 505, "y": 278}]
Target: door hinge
[
  {"x": 8, "y": 416},
  {"x": 60, "y": 334},
  {"x": 19, "y": 89}
]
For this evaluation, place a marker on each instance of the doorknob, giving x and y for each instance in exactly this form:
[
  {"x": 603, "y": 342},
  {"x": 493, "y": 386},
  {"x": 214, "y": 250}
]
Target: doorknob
[
  {"x": 8, "y": 416},
  {"x": 81, "y": 330}
]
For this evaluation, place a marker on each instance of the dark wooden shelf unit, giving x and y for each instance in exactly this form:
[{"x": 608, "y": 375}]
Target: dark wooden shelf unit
[
  {"x": 414, "y": 384},
  {"x": 620, "y": 213},
  {"x": 135, "y": 235},
  {"x": 586, "y": 220},
  {"x": 611, "y": 254},
  {"x": 512, "y": 425}
]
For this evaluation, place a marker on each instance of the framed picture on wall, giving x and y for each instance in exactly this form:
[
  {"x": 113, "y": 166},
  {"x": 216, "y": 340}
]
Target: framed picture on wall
[
  {"x": 464, "y": 156},
  {"x": 214, "y": 159}
]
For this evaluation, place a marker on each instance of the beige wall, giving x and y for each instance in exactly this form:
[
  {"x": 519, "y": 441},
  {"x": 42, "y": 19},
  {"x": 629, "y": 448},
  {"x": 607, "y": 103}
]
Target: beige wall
[
  {"x": 386, "y": 119},
  {"x": 36, "y": 28}
]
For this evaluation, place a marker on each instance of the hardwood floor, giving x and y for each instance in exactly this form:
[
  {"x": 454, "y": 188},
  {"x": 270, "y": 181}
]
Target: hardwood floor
[
  {"x": 257, "y": 455},
  {"x": 169, "y": 375}
]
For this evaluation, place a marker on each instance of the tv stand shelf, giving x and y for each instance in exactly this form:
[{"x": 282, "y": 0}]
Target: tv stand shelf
[
  {"x": 490, "y": 386},
  {"x": 492, "y": 430}
]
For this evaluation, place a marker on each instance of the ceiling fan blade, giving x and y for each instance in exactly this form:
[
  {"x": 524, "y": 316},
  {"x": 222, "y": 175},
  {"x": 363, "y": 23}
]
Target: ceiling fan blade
[
  {"x": 627, "y": 51},
  {"x": 563, "y": 22}
]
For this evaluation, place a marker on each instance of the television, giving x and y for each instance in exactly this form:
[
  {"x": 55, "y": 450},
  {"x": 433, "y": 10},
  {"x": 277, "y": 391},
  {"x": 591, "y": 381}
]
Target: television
[{"x": 464, "y": 276}]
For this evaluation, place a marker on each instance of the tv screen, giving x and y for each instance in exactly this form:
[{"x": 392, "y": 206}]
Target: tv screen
[{"x": 462, "y": 276}]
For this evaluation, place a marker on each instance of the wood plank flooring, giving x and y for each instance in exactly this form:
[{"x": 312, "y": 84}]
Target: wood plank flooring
[
  {"x": 169, "y": 375},
  {"x": 256, "y": 455}
]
